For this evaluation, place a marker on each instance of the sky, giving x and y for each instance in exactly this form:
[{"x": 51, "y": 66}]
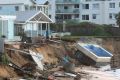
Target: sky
[{"x": 41, "y": 1}]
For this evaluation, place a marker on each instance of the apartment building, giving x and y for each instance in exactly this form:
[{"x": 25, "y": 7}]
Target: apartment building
[
  {"x": 99, "y": 11},
  {"x": 67, "y": 10},
  {"x": 96, "y": 11}
]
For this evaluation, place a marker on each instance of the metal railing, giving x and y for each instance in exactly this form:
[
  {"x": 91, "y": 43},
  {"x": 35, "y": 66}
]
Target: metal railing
[
  {"x": 68, "y": 11},
  {"x": 68, "y": 1}
]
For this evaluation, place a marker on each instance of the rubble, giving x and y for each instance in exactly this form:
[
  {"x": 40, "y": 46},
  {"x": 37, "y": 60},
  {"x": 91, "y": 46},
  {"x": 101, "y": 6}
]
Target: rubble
[{"x": 47, "y": 60}]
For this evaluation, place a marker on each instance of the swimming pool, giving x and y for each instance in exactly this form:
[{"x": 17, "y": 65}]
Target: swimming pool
[{"x": 97, "y": 50}]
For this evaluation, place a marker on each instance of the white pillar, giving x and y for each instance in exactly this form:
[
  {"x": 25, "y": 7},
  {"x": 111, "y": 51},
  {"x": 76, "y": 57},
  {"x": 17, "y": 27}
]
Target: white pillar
[
  {"x": 2, "y": 28},
  {"x": 37, "y": 29},
  {"x": 49, "y": 28},
  {"x": 46, "y": 26},
  {"x": 41, "y": 28},
  {"x": 31, "y": 28}
]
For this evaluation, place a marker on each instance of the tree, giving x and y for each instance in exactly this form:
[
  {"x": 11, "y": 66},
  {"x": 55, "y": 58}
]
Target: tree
[{"x": 118, "y": 19}]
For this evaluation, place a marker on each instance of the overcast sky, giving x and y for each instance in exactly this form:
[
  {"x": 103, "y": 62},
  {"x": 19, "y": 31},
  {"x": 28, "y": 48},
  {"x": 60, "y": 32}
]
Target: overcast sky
[{"x": 41, "y": 1}]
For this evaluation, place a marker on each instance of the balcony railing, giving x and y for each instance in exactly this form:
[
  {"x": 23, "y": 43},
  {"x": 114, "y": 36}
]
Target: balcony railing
[
  {"x": 67, "y": 1},
  {"x": 68, "y": 11}
]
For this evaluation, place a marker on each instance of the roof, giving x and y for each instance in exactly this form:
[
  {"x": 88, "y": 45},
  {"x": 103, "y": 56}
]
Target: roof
[
  {"x": 31, "y": 16},
  {"x": 23, "y": 16},
  {"x": 15, "y": 1},
  {"x": 22, "y": 1}
]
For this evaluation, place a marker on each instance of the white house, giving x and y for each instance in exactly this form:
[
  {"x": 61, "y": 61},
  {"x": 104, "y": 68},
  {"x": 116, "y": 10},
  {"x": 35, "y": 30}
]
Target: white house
[
  {"x": 33, "y": 23},
  {"x": 27, "y": 16}
]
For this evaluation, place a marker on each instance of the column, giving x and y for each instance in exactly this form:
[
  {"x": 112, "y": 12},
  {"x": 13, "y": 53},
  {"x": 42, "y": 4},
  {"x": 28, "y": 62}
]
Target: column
[
  {"x": 41, "y": 28},
  {"x": 37, "y": 29},
  {"x": 46, "y": 29},
  {"x": 2, "y": 28},
  {"x": 49, "y": 28},
  {"x": 31, "y": 28}
]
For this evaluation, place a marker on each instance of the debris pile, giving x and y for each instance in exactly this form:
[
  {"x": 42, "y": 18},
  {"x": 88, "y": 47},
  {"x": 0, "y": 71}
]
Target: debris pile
[{"x": 47, "y": 60}]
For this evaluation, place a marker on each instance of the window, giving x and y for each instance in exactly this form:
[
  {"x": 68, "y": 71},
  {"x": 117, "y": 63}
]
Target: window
[
  {"x": 112, "y": 5},
  {"x": 94, "y": 16},
  {"x": 96, "y": 6},
  {"x": 112, "y": 15},
  {"x": 49, "y": 16},
  {"x": 76, "y": 15},
  {"x": 32, "y": 7},
  {"x": 0, "y": 7},
  {"x": 65, "y": 7},
  {"x": 67, "y": 17},
  {"x": 26, "y": 7},
  {"x": 76, "y": 6},
  {"x": 85, "y": 6},
  {"x": 85, "y": 17},
  {"x": 16, "y": 8}
]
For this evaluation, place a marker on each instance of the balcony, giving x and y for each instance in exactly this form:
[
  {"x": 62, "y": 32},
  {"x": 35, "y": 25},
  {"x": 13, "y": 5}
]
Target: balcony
[
  {"x": 74, "y": 11},
  {"x": 67, "y": 1}
]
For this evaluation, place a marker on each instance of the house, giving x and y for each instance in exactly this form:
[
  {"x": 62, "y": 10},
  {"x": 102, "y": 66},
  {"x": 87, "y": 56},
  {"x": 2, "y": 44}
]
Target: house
[
  {"x": 34, "y": 23},
  {"x": 27, "y": 16}
]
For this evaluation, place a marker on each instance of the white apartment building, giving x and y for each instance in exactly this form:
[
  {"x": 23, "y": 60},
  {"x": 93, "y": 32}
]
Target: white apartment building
[
  {"x": 99, "y": 11},
  {"x": 96, "y": 11},
  {"x": 67, "y": 10},
  {"x": 51, "y": 9}
]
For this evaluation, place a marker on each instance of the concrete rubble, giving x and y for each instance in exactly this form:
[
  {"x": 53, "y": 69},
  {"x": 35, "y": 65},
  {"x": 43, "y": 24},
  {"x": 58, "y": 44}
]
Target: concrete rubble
[{"x": 50, "y": 60}]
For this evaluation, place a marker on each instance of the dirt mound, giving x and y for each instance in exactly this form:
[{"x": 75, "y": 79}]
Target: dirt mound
[
  {"x": 49, "y": 54},
  {"x": 7, "y": 72}
]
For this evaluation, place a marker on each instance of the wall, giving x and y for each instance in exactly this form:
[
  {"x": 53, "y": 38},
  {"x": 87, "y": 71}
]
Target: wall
[{"x": 10, "y": 9}]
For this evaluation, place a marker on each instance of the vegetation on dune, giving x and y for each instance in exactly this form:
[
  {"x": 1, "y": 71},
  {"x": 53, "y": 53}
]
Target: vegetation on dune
[
  {"x": 86, "y": 29},
  {"x": 118, "y": 19}
]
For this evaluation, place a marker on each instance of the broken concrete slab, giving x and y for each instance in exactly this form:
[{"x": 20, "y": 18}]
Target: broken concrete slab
[{"x": 37, "y": 58}]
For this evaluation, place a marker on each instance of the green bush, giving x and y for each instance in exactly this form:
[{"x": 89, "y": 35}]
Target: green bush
[
  {"x": 84, "y": 28},
  {"x": 4, "y": 59}
]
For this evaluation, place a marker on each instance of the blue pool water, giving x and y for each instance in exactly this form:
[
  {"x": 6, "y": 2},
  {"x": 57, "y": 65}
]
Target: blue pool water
[{"x": 98, "y": 51}]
